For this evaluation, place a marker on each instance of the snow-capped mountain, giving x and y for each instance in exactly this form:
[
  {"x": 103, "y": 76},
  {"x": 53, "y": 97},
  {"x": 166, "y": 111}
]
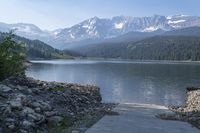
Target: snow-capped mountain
[
  {"x": 107, "y": 28},
  {"x": 100, "y": 28},
  {"x": 30, "y": 31}
]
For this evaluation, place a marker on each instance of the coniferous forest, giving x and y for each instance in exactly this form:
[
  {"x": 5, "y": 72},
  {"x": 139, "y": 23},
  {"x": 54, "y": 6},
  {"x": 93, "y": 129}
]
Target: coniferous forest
[{"x": 153, "y": 48}]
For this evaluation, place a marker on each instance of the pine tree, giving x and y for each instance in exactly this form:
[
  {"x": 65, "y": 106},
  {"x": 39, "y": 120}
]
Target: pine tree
[{"x": 11, "y": 58}]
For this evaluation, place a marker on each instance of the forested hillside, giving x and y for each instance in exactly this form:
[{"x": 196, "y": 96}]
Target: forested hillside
[
  {"x": 166, "y": 48},
  {"x": 154, "y": 48},
  {"x": 190, "y": 31},
  {"x": 36, "y": 49}
]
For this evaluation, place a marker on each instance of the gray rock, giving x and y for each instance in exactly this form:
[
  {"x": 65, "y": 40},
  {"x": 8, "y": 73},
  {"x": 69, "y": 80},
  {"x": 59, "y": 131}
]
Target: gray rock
[
  {"x": 194, "y": 118},
  {"x": 191, "y": 110},
  {"x": 37, "y": 110},
  {"x": 35, "y": 104},
  {"x": 16, "y": 104},
  {"x": 27, "y": 124},
  {"x": 35, "y": 117},
  {"x": 23, "y": 131},
  {"x": 50, "y": 113},
  {"x": 27, "y": 110},
  {"x": 11, "y": 126},
  {"x": 10, "y": 123},
  {"x": 5, "y": 89},
  {"x": 55, "y": 119},
  {"x": 7, "y": 110},
  {"x": 10, "y": 120},
  {"x": 42, "y": 105},
  {"x": 20, "y": 88},
  {"x": 24, "y": 89},
  {"x": 72, "y": 114},
  {"x": 29, "y": 91},
  {"x": 1, "y": 130},
  {"x": 75, "y": 131},
  {"x": 45, "y": 106},
  {"x": 35, "y": 90}
]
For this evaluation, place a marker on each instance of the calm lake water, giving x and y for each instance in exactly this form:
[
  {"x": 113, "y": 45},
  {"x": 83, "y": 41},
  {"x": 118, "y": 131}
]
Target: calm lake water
[{"x": 124, "y": 81}]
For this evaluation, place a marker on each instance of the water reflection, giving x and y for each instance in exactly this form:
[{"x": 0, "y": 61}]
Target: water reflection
[{"x": 143, "y": 82}]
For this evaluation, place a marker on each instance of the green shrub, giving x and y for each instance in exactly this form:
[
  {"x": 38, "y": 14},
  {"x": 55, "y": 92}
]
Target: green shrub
[{"x": 12, "y": 56}]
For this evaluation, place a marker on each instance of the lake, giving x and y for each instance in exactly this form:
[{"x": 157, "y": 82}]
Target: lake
[{"x": 153, "y": 82}]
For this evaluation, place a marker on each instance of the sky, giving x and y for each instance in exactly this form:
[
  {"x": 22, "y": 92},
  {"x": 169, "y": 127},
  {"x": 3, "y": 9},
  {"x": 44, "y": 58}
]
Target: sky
[{"x": 54, "y": 14}]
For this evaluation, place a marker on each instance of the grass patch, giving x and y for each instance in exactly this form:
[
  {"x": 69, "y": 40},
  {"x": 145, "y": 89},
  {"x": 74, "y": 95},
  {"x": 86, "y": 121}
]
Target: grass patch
[
  {"x": 89, "y": 121},
  {"x": 66, "y": 122},
  {"x": 61, "y": 127},
  {"x": 58, "y": 89}
]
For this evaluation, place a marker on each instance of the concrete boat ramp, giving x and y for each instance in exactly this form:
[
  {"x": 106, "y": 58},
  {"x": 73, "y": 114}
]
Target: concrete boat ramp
[{"x": 140, "y": 118}]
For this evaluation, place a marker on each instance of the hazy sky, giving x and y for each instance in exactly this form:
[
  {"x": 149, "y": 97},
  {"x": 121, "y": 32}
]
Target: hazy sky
[{"x": 52, "y": 14}]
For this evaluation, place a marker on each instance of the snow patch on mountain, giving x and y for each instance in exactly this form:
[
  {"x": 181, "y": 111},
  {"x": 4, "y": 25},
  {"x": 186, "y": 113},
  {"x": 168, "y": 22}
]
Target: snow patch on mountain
[
  {"x": 181, "y": 15},
  {"x": 169, "y": 17},
  {"x": 56, "y": 32},
  {"x": 150, "y": 29},
  {"x": 72, "y": 36},
  {"x": 176, "y": 21},
  {"x": 119, "y": 25},
  {"x": 85, "y": 26}
]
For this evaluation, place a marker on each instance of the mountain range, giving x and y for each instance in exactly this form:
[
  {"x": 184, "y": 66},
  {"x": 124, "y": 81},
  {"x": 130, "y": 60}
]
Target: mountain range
[
  {"x": 36, "y": 49},
  {"x": 181, "y": 44},
  {"x": 96, "y": 29}
]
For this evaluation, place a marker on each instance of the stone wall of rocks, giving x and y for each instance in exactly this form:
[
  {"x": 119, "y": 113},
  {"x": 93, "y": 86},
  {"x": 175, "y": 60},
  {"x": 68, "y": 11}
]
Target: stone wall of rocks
[
  {"x": 192, "y": 101},
  {"x": 28, "y": 105},
  {"x": 190, "y": 112}
]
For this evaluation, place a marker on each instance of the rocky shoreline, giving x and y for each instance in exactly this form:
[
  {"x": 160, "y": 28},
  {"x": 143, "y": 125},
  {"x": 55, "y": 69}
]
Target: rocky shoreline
[
  {"x": 33, "y": 106},
  {"x": 190, "y": 112}
]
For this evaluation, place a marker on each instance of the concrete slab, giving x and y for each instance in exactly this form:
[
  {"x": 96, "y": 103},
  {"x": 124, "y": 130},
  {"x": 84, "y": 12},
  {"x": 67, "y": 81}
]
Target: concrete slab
[{"x": 140, "y": 118}]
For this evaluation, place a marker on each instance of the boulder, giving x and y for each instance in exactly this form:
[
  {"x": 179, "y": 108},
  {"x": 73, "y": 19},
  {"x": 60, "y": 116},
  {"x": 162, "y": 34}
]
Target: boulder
[
  {"x": 15, "y": 104},
  {"x": 27, "y": 124},
  {"x": 44, "y": 106},
  {"x": 10, "y": 123},
  {"x": 74, "y": 131},
  {"x": 50, "y": 113},
  {"x": 35, "y": 117},
  {"x": 55, "y": 120},
  {"x": 5, "y": 89},
  {"x": 27, "y": 110},
  {"x": 37, "y": 110}
]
